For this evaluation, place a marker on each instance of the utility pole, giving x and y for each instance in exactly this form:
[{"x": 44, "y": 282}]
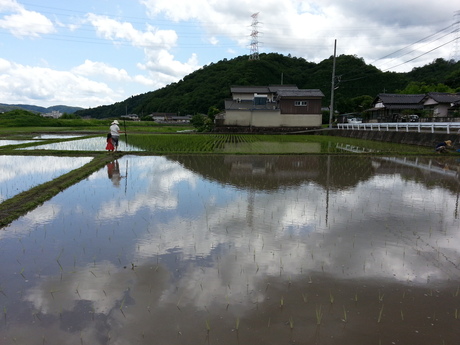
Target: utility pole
[{"x": 331, "y": 107}]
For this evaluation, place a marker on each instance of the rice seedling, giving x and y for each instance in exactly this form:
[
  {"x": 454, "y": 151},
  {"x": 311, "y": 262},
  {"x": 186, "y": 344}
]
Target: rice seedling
[
  {"x": 291, "y": 323},
  {"x": 22, "y": 273},
  {"x": 122, "y": 306},
  {"x": 319, "y": 315},
  {"x": 331, "y": 297},
  {"x": 345, "y": 319},
  {"x": 237, "y": 324},
  {"x": 208, "y": 326},
  {"x": 177, "y": 304},
  {"x": 52, "y": 292},
  {"x": 305, "y": 298},
  {"x": 380, "y": 314}
]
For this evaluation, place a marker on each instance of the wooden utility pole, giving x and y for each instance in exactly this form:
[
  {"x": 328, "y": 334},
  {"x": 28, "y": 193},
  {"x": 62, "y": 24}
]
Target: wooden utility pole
[{"x": 331, "y": 107}]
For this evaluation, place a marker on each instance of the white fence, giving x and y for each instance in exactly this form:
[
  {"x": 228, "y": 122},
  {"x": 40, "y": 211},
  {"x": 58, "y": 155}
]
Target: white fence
[{"x": 403, "y": 126}]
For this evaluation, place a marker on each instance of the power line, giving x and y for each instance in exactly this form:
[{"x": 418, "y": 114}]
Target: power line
[
  {"x": 442, "y": 45},
  {"x": 411, "y": 51}
]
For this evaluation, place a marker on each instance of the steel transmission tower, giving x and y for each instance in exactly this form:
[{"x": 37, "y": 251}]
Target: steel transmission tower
[
  {"x": 254, "y": 54},
  {"x": 455, "y": 55}
]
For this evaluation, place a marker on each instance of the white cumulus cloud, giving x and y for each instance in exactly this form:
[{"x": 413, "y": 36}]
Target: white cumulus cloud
[{"x": 23, "y": 23}]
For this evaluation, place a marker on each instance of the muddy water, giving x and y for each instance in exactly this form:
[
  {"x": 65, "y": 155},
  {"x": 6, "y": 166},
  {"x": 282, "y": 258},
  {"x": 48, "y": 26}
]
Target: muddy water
[{"x": 239, "y": 250}]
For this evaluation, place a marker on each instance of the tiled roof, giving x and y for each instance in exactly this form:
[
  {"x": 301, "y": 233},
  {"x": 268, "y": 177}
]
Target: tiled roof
[
  {"x": 276, "y": 88},
  {"x": 300, "y": 93},
  {"x": 443, "y": 97},
  {"x": 392, "y": 98},
  {"x": 403, "y": 106},
  {"x": 261, "y": 89},
  {"x": 249, "y": 89}
]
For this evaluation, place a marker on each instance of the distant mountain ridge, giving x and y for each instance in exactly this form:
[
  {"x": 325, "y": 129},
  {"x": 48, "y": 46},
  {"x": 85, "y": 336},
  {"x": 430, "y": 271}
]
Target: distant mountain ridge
[{"x": 37, "y": 109}]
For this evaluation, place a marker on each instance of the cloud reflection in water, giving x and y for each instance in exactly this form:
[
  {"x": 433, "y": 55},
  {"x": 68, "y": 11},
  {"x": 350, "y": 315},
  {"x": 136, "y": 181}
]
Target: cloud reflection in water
[{"x": 175, "y": 243}]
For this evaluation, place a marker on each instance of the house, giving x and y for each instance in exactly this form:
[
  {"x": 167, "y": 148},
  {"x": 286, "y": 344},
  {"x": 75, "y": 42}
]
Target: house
[
  {"x": 170, "y": 118},
  {"x": 131, "y": 117},
  {"x": 440, "y": 104},
  {"x": 273, "y": 106},
  {"x": 389, "y": 106},
  {"x": 54, "y": 114}
]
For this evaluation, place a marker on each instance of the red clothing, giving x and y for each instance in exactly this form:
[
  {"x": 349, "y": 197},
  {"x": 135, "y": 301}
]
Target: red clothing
[{"x": 109, "y": 146}]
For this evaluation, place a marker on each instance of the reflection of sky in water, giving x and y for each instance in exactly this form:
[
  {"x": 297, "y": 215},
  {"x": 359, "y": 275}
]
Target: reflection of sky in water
[
  {"x": 20, "y": 173},
  {"x": 89, "y": 144},
  {"x": 156, "y": 235},
  {"x": 14, "y": 142},
  {"x": 56, "y": 136}
]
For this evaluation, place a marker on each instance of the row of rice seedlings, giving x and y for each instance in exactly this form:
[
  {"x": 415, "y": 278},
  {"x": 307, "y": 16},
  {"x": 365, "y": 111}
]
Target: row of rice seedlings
[
  {"x": 174, "y": 142},
  {"x": 203, "y": 143}
]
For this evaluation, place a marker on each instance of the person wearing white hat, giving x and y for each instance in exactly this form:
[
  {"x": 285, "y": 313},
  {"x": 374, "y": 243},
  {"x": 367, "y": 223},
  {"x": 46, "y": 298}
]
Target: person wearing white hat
[{"x": 115, "y": 131}]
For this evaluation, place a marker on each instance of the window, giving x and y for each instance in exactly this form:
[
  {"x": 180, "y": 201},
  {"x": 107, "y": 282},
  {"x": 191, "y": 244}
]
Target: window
[{"x": 300, "y": 103}]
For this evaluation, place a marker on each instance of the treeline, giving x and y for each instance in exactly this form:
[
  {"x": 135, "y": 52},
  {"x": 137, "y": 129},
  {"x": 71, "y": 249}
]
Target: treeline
[
  {"x": 357, "y": 84},
  {"x": 25, "y": 118}
]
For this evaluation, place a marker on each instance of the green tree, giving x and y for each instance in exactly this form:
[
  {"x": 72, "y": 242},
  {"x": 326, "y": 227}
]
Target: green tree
[
  {"x": 202, "y": 123},
  {"x": 66, "y": 116}
]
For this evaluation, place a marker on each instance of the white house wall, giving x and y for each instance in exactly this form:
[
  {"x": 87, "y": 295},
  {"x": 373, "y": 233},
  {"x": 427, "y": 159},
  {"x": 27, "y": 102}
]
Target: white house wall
[{"x": 270, "y": 119}]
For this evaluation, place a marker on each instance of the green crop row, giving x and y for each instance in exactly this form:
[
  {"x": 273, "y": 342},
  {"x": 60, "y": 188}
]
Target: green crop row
[
  {"x": 183, "y": 143},
  {"x": 260, "y": 144}
]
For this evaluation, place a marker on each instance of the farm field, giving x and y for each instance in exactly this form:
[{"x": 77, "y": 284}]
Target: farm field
[{"x": 235, "y": 239}]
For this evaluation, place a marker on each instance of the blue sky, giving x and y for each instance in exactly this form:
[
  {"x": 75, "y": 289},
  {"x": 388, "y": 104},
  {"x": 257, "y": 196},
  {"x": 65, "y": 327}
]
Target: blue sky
[{"x": 93, "y": 52}]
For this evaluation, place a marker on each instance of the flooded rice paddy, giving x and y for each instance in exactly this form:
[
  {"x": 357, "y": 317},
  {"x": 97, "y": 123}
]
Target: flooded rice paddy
[
  {"x": 239, "y": 250},
  {"x": 20, "y": 173},
  {"x": 14, "y": 142},
  {"x": 86, "y": 144}
]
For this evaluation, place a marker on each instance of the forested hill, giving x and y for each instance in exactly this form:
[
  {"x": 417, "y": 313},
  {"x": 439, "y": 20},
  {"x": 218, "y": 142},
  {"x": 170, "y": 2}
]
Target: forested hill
[
  {"x": 38, "y": 109},
  {"x": 210, "y": 85}
]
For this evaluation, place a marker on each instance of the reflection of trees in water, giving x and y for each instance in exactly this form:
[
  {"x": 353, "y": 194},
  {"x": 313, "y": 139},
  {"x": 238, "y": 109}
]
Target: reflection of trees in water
[{"x": 274, "y": 172}]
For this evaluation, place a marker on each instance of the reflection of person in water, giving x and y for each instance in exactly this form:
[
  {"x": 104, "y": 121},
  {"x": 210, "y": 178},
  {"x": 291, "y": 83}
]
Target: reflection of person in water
[{"x": 113, "y": 171}]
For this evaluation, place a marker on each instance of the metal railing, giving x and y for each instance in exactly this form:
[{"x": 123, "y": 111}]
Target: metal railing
[{"x": 403, "y": 126}]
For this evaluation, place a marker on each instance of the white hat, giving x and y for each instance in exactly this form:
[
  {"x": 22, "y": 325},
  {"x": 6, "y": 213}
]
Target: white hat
[{"x": 115, "y": 122}]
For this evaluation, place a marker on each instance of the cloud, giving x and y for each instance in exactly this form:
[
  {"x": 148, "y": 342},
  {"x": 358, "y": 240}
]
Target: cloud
[
  {"x": 156, "y": 45},
  {"x": 22, "y": 22},
  {"x": 308, "y": 28},
  {"x": 113, "y": 30},
  {"x": 92, "y": 68},
  {"x": 28, "y": 84},
  {"x": 181, "y": 36}
]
